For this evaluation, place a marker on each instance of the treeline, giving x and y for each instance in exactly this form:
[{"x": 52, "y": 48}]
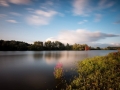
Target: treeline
[{"x": 38, "y": 45}]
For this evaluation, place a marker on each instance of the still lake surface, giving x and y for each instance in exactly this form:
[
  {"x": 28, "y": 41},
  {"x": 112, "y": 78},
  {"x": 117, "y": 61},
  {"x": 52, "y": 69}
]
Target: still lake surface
[{"x": 33, "y": 70}]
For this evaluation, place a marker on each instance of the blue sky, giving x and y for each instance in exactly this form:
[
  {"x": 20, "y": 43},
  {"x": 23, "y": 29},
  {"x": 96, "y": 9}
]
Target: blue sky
[{"x": 94, "y": 22}]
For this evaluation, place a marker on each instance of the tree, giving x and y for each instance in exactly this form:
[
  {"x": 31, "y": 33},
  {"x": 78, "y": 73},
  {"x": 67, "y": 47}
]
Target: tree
[
  {"x": 98, "y": 48},
  {"x": 48, "y": 45},
  {"x": 38, "y": 45}
]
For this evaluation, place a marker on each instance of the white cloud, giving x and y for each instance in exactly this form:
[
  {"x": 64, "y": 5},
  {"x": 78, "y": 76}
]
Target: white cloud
[
  {"x": 6, "y": 2},
  {"x": 80, "y": 36},
  {"x": 115, "y": 44},
  {"x": 85, "y": 7},
  {"x": 37, "y": 20},
  {"x": 80, "y": 7},
  {"x": 98, "y": 17},
  {"x": 103, "y": 45},
  {"x": 41, "y": 17},
  {"x": 82, "y": 22},
  {"x": 49, "y": 13},
  {"x": 19, "y": 1},
  {"x": 12, "y": 21}
]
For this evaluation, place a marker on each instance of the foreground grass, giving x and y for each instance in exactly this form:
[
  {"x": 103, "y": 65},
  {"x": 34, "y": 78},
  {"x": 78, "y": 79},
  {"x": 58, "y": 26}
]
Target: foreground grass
[{"x": 98, "y": 73}]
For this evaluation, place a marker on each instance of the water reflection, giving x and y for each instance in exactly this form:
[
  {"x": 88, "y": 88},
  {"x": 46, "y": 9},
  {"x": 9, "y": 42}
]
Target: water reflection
[
  {"x": 51, "y": 57},
  {"x": 55, "y": 55},
  {"x": 68, "y": 58},
  {"x": 38, "y": 56}
]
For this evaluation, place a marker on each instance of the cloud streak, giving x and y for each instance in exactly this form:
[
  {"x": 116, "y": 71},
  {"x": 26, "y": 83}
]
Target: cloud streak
[
  {"x": 82, "y": 22},
  {"x": 6, "y": 3},
  {"x": 41, "y": 17},
  {"x": 49, "y": 13},
  {"x": 12, "y": 21},
  {"x": 81, "y": 36},
  {"x": 19, "y": 1},
  {"x": 104, "y": 44},
  {"x": 80, "y": 7},
  {"x": 85, "y": 7}
]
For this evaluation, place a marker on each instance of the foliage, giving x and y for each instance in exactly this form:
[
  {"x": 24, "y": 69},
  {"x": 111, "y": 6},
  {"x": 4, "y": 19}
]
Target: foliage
[
  {"x": 98, "y": 73},
  {"x": 37, "y": 46},
  {"x": 48, "y": 45},
  {"x": 58, "y": 71},
  {"x": 79, "y": 46},
  {"x": 113, "y": 48},
  {"x": 13, "y": 45}
]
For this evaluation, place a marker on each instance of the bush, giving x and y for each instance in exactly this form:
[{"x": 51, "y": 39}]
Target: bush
[{"x": 98, "y": 73}]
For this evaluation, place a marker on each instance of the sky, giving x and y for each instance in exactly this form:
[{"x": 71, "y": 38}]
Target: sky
[{"x": 92, "y": 22}]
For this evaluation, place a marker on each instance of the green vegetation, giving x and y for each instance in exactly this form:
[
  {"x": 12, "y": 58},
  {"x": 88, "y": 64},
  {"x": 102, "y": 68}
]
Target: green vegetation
[
  {"x": 38, "y": 45},
  {"x": 58, "y": 71},
  {"x": 48, "y": 45},
  {"x": 98, "y": 73}
]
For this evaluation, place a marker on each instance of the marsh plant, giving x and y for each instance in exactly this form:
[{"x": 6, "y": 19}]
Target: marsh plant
[{"x": 58, "y": 71}]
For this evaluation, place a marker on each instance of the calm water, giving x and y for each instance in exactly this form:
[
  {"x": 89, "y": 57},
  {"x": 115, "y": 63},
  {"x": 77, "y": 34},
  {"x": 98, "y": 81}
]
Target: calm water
[{"x": 33, "y": 70}]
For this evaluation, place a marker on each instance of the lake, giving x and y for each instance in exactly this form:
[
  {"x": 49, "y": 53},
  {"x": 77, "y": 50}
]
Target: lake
[{"x": 33, "y": 70}]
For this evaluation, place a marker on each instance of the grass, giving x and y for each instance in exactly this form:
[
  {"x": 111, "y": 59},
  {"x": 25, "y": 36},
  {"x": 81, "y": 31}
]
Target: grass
[{"x": 98, "y": 73}]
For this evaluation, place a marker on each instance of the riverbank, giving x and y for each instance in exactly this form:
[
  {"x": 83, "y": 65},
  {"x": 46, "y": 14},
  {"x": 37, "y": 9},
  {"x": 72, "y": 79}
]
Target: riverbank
[{"x": 98, "y": 73}]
